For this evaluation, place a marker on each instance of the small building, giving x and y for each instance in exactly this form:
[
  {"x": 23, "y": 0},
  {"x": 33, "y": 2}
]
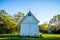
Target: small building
[{"x": 29, "y": 25}]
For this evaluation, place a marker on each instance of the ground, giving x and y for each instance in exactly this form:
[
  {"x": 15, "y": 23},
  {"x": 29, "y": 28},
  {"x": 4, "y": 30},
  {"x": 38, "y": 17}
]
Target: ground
[{"x": 17, "y": 37}]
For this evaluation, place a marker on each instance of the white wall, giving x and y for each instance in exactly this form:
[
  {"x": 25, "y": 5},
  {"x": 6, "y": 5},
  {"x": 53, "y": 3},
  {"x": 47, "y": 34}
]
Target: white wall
[
  {"x": 29, "y": 26},
  {"x": 29, "y": 30}
]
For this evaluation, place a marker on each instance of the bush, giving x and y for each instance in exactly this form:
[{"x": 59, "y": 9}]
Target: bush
[{"x": 41, "y": 35}]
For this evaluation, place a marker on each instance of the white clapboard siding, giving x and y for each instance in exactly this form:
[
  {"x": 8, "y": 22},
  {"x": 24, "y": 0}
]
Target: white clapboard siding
[{"x": 29, "y": 26}]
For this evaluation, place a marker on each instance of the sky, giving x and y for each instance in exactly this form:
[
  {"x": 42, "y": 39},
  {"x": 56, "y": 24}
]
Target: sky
[{"x": 43, "y": 10}]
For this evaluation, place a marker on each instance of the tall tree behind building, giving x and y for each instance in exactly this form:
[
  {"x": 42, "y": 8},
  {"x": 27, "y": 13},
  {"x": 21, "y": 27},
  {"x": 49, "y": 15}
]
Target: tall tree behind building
[{"x": 18, "y": 17}]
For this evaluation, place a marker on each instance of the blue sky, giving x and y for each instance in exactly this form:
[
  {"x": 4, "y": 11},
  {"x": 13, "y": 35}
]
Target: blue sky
[{"x": 44, "y": 10}]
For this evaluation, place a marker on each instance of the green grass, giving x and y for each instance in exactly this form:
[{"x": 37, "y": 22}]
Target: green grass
[{"x": 17, "y": 37}]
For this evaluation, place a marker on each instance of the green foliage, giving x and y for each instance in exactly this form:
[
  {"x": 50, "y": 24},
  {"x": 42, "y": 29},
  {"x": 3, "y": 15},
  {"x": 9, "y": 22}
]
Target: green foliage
[
  {"x": 55, "y": 19},
  {"x": 56, "y": 22},
  {"x": 7, "y": 24},
  {"x": 18, "y": 17},
  {"x": 52, "y": 27},
  {"x": 44, "y": 27}
]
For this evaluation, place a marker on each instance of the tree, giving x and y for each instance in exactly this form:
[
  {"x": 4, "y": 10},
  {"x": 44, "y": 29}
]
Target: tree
[
  {"x": 18, "y": 17},
  {"x": 55, "y": 21},
  {"x": 44, "y": 27},
  {"x": 6, "y": 22}
]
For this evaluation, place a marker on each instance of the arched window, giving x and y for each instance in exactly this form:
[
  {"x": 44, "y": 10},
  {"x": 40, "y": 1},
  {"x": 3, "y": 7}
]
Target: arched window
[{"x": 29, "y": 14}]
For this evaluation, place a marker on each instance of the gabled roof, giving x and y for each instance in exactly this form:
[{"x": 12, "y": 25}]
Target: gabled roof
[{"x": 29, "y": 14}]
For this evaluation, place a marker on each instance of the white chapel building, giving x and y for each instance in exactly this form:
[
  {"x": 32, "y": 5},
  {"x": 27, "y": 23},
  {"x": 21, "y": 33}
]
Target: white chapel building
[{"x": 29, "y": 25}]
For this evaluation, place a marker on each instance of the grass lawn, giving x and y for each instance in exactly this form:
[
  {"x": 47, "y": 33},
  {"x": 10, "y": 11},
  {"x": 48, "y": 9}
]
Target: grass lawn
[{"x": 17, "y": 37}]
